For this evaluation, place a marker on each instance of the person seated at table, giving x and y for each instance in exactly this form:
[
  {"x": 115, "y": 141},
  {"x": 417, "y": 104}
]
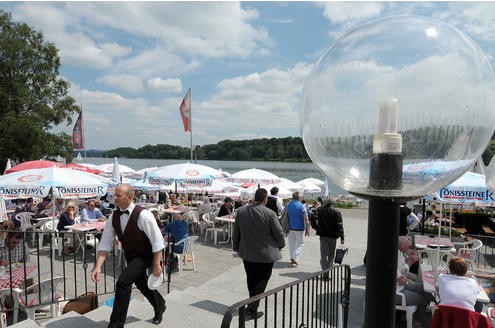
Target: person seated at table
[
  {"x": 29, "y": 206},
  {"x": 455, "y": 288},
  {"x": 226, "y": 208},
  {"x": 67, "y": 218},
  {"x": 488, "y": 283},
  {"x": 205, "y": 207},
  {"x": 430, "y": 218},
  {"x": 412, "y": 290},
  {"x": 158, "y": 219},
  {"x": 91, "y": 213},
  {"x": 13, "y": 251},
  {"x": 172, "y": 201},
  {"x": 179, "y": 229}
]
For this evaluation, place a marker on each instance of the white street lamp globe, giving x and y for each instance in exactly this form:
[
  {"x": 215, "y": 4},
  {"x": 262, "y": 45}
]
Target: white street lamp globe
[{"x": 409, "y": 86}]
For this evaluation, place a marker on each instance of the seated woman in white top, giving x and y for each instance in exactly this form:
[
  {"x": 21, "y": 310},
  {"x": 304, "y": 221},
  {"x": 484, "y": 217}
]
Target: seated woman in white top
[{"x": 456, "y": 288}]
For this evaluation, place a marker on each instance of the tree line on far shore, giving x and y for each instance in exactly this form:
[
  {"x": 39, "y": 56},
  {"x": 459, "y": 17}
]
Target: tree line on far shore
[
  {"x": 267, "y": 149},
  {"x": 289, "y": 149}
]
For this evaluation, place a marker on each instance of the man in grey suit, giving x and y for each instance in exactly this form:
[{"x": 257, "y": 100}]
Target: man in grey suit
[{"x": 258, "y": 238}]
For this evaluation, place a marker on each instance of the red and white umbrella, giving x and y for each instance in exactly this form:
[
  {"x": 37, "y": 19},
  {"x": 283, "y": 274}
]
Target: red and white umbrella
[
  {"x": 83, "y": 168},
  {"x": 64, "y": 183},
  {"x": 38, "y": 164}
]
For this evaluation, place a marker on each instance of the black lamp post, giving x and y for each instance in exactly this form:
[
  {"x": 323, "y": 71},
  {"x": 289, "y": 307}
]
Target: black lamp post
[{"x": 433, "y": 139}]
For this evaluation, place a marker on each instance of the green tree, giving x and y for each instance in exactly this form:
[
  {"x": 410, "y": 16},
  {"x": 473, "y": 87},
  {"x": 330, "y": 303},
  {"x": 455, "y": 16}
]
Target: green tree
[{"x": 33, "y": 97}]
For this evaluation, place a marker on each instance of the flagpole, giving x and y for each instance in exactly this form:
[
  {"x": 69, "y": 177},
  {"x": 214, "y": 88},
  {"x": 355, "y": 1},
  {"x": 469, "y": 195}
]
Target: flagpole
[
  {"x": 82, "y": 131},
  {"x": 190, "y": 125}
]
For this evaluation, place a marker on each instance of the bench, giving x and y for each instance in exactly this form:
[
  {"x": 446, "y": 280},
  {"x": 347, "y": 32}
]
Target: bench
[{"x": 487, "y": 230}]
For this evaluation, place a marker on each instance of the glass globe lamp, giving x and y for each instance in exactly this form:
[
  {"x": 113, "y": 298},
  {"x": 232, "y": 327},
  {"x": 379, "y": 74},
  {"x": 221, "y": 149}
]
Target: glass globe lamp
[{"x": 411, "y": 96}]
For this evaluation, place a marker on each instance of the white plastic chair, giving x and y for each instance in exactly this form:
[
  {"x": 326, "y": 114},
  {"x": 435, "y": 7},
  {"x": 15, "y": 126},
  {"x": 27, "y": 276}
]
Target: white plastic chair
[
  {"x": 50, "y": 228},
  {"x": 427, "y": 256},
  {"x": 31, "y": 296},
  {"x": 187, "y": 251},
  {"x": 469, "y": 250},
  {"x": 25, "y": 219},
  {"x": 5, "y": 292},
  {"x": 209, "y": 219},
  {"x": 409, "y": 309},
  {"x": 192, "y": 219}
]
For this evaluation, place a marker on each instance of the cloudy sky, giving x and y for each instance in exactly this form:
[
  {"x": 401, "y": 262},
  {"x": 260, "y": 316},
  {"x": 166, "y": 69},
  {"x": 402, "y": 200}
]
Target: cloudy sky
[{"x": 131, "y": 63}]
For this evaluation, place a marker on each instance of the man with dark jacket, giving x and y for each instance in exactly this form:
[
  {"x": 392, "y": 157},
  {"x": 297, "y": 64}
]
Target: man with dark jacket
[
  {"x": 329, "y": 228},
  {"x": 258, "y": 238},
  {"x": 274, "y": 202}
]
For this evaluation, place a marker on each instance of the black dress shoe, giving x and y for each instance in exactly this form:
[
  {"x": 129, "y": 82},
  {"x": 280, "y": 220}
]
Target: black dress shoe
[
  {"x": 250, "y": 315},
  {"x": 159, "y": 314}
]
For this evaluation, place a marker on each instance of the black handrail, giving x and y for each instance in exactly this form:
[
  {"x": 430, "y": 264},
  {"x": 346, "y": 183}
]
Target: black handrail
[{"x": 314, "y": 300}]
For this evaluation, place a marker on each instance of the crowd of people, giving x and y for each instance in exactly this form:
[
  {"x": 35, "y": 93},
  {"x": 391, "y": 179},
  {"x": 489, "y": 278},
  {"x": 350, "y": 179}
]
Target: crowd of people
[{"x": 258, "y": 238}]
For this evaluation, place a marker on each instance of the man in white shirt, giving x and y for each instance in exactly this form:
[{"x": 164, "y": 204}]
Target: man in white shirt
[
  {"x": 142, "y": 241},
  {"x": 412, "y": 290},
  {"x": 91, "y": 213}
]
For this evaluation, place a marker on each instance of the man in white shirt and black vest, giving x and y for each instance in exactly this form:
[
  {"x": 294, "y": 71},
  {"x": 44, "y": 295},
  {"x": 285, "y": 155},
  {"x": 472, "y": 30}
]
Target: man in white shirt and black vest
[
  {"x": 274, "y": 203},
  {"x": 142, "y": 241}
]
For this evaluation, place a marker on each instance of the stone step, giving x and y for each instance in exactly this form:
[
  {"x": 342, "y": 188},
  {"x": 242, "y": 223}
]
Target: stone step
[{"x": 28, "y": 323}]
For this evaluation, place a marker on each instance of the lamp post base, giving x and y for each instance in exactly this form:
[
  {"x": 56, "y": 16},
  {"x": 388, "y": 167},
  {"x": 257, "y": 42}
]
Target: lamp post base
[{"x": 381, "y": 263}]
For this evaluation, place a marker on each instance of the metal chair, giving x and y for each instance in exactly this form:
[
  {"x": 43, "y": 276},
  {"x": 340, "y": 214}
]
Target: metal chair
[{"x": 187, "y": 252}]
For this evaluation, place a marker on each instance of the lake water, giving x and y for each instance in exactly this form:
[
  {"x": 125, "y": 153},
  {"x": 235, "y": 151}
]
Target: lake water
[{"x": 293, "y": 171}]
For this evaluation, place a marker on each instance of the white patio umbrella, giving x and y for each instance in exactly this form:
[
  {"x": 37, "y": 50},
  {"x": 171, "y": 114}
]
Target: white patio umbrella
[
  {"x": 184, "y": 175},
  {"x": 7, "y": 166},
  {"x": 139, "y": 174},
  {"x": 107, "y": 169},
  {"x": 309, "y": 186},
  {"x": 290, "y": 185},
  {"x": 255, "y": 176},
  {"x": 64, "y": 182},
  {"x": 315, "y": 181},
  {"x": 490, "y": 175},
  {"x": 217, "y": 186},
  {"x": 283, "y": 192}
]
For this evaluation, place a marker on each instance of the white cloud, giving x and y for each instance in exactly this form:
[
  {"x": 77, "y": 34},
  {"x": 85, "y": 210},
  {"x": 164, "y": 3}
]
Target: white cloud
[
  {"x": 477, "y": 19},
  {"x": 69, "y": 35},
  {"x": 155, "y": 61},
  {"x": 259, "y": 104},
  {"x": 115, "y": 50},
  {"x": 167, "y": 85},
  {"x": 124, "y": 82},
  {"x": 345, "y": 12},
  {"x": 210, "y": 29}
]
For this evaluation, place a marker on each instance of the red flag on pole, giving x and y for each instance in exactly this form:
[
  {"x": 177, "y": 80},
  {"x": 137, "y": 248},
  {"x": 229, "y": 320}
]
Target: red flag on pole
[
  {"x": 185, "y": 111},
  {"x": 77, "y": 134}
]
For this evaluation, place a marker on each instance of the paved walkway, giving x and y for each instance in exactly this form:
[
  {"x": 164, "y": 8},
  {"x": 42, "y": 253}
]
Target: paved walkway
[{"x": 219, "y": 269}]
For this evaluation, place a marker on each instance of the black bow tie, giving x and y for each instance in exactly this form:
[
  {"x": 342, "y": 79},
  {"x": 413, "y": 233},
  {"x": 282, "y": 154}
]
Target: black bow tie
[{"x": 122, "y": 212}]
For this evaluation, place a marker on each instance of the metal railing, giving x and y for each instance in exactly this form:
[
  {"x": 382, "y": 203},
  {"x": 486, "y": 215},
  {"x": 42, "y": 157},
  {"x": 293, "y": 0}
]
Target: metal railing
[
  {"x": 315, "y": 301},
  {"x": 41, "y": 249}
]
